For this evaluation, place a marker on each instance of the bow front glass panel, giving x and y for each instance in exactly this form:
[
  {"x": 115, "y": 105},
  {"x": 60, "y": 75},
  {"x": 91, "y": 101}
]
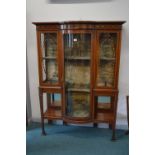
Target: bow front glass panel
[{"x": 77, "y": 52}]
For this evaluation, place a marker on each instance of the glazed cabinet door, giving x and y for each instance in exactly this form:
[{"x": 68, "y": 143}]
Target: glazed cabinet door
[
  {"x": 107, "y": 56},
  {"x": 49, "y": 58},
  {"x": 77, "y": 73}
]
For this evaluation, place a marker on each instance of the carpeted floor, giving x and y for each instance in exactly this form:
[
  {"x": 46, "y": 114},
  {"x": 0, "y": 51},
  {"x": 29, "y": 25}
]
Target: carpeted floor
[{"x": 73, "y": 140}]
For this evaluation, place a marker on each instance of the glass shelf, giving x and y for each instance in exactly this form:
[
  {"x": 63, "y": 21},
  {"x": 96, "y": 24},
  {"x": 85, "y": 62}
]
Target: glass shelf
[
  {"x": 52, "y": 80},
  {"x": 77, "y": 58},
  {"x": 107, "y": 59},
  {"x": 49, "y": 57}
]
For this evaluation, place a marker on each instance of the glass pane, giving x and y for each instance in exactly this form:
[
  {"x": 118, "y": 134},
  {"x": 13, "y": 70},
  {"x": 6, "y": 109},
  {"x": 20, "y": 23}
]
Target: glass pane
[
  {"x": 77, "y": 48},
  {"x": 107, "y": 54},
  {"x": 106, "y": 74},
  {"x": 49, "y": 57},
  {"x": 77, "y": 45}
]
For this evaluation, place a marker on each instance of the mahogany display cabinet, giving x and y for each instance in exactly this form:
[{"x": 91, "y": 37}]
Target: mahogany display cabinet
[{"x": 78, "y": 65}]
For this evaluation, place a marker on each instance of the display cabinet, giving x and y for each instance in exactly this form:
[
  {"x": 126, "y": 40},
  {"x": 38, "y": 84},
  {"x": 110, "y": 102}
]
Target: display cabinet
[{"x": 78, "y": 65}]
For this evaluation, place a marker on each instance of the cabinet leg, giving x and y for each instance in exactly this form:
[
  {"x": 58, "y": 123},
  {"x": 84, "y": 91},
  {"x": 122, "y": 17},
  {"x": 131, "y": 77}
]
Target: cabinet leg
[
  {"x": 64, "y": 123},
  {"x": 49, "y": 105},
  {"x": 113, "y": 132},
  {"x": 41, "y": 111},
  {"x": 110, "y": 126},
  {"x": 113, "y": 135},
  {"x": 43, "y": 130},
  {"x": 94, "y": 125},
  {"x": 114, "y": 122},
  {"x": 49, "y": 121}
]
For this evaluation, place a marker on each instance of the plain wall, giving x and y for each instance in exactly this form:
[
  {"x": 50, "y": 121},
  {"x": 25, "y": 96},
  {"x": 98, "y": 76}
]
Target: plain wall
[
  {"x": 45, "y": 10},
  {"x": 28, "y": 100}
]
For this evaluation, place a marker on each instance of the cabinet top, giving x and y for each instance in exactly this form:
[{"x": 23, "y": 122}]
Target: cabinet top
[{"x": 81, "y": 22}]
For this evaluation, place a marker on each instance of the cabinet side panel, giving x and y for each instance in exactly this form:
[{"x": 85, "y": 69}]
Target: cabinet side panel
[{"x": 39, "y": 57}]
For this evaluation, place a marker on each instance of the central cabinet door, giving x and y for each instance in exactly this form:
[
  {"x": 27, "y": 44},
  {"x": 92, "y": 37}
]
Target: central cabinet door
[{"x": 77, "y": 73}]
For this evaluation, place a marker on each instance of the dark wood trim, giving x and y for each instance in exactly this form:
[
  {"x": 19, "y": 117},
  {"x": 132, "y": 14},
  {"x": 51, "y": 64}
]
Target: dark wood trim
[
  {"x": 80, "y": 22},
  {"x": 39, "y": 57},
  {"x": 114, "y": 121},
  {"x": 48, "y": 96},
  {"x": 51, "y": 89},
  {"x": 42, "y": 111}
]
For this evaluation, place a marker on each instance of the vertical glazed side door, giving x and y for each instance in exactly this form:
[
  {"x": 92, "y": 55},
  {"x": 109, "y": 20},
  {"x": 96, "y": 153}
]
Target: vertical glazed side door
[
  {"x": 107, "y": 58},
  {"x": 106, "y": 73},
  {"x": 77, "y": 73},
  {"x": 49, "y": 58}
]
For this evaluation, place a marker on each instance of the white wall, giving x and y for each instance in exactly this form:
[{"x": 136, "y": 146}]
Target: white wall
[{"x": 43, "y": 10}]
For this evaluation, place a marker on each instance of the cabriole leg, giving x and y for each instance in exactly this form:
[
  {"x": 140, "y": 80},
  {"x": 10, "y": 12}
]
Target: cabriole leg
[
  {"x": 64, "y": 123},
  {"x": 94, "y": 125},
  {"x": 110, "y": 126},
  {"x": 49, "y": 104},
  {"x": 114, "y": 121},
  {"x": 113, "y": 132},
  {"x": 41, "y": 111}
]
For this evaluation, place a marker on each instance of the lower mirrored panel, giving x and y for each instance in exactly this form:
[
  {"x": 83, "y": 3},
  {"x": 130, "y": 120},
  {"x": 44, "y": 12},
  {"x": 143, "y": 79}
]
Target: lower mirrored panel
[{"x": 78, "y": 104}]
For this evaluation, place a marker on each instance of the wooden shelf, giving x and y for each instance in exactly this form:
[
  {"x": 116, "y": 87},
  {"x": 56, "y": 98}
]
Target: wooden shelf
[
  {"x": 104, "y": 117},
  {"x": 53, "y": 114},
  {"x": 56, "y": 105},
  {"x": 103, "y": 105}
]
